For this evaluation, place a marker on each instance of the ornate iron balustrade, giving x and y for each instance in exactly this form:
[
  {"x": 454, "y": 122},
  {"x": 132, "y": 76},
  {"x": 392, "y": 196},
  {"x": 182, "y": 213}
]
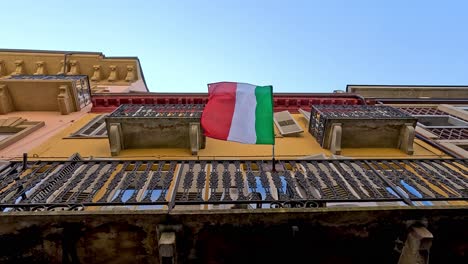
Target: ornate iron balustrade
[
  {"x": 381, "y": 126},
  {"x": 156, "y": 110},
  {"x": 173, "y": 185}
]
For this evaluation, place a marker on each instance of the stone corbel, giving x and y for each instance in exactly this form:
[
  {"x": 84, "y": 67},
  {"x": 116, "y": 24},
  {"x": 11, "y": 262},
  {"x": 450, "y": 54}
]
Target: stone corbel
[
  {"x": 74, "y": 68},
  {"x": 405, "y": 142},
  {"x": 63, "y": 100},
  {"x": 194, "y": 137},
  {"x": 130, "y": 73},
  {"x": 167, "y": 247},
  {"x": 417, "y": 246},
  {"x": 113, "y": 76},
  {"x": 115, "y": 138},
  {"x": 97, "y": 73},
  {"x": 40, "y": 68},
  {"x": 2, "y": 68},
  {"x": 61, "y": 72},
  {"x": 18, "y": 67},
  {"x": 6, "y": 104},
  {"x": 335, "y": 141}
]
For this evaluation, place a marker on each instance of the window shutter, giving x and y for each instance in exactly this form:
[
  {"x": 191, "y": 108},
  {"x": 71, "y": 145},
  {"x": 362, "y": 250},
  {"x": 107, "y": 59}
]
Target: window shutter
[{"x": 286, "y": 123}]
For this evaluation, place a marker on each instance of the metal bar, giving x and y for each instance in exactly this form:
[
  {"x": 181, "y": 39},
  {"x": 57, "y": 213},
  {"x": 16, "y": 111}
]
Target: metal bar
[
  {"x": 176, "y": 186},
  {"x": 393, "y": 187}
]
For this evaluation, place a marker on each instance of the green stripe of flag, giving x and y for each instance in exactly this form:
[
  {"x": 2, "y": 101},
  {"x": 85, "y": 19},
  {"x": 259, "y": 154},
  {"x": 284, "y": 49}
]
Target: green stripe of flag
[{"x": 264, "y": 115}]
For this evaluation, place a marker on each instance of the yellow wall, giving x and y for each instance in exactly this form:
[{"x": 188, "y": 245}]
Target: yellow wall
[{"x": 303, "y": 145}]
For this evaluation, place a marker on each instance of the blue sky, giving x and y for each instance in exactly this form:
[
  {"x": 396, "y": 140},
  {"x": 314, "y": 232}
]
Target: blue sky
[{"x": 296, "y": 46}]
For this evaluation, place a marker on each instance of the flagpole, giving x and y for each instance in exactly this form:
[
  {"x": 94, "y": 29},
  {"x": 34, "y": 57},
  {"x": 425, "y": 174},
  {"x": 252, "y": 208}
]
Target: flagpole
[
  {"x": 274, "y": 141},
  {"x": 274, "y": 163}
]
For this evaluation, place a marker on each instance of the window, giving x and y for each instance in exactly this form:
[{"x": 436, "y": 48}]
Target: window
[
  {"x": 13, "y": 129},
  {"x": 286, "y": 123},
  {"x": 441, "y": 121},
  {"x": 96, "y": 128}
]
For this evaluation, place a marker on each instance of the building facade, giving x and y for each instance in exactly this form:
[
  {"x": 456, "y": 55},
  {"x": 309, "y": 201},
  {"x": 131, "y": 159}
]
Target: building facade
[{"x": 95, "y": 168}]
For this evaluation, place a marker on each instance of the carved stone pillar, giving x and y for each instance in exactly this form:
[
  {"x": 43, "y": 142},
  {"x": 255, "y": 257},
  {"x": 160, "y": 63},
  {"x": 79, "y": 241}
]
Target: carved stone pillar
[
  {"x": 40, "y": 68},
  {"x": 18, "y": 67},
  {"x": 115, "y": 139},
  {"x": 97, "y": 73},
  {"x": 63, "y": 100},
  {"x": 74, "y": 68},
  {"x": 6, "y": 104},
  {"x": 113, "y": 76},
  {"x": 130, "y": 73}
]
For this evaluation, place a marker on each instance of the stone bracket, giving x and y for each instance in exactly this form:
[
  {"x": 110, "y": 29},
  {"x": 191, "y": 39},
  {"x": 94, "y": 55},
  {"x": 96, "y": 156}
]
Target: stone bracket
[
  {"x": 63, "y": 100},
  {"x": 41, "y": 70},
  {"x": 6, "y": 104},
  {"x": 115, "y": 138},
  {"x": 2, "y": 68},
  {"x": 194, "y": 135},
  {"x": 167, "y": 243},
  {"x": 335, "y": 142},
  {"x": 130, "y": 73},
  {"x": 417, "y": 246},
  {"x": 406, "y": 139},
  {"x": 18, "y": 67},
  {"x": 113, "y": 76},
  {"x": 97, "y": 73},
  {"x": 74, "y": 68}
]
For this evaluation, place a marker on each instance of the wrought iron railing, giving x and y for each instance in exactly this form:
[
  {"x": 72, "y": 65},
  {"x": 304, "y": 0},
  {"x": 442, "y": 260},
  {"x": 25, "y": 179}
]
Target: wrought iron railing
[
  {"x": 173, "y": 185},
  {"x": 159, "y": 110}
]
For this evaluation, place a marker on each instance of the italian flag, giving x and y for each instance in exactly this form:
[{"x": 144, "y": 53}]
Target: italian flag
[{"x": 239, "y": 112}]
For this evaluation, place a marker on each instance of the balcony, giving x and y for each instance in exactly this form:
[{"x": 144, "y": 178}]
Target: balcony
[
  {"x": 201, "y": 185},
  {"x": 61, "y": 93},
  {"x": 155, "y": 126},
  {"x": 362, "y": 126},
  {"x": 336, "y": 211}
]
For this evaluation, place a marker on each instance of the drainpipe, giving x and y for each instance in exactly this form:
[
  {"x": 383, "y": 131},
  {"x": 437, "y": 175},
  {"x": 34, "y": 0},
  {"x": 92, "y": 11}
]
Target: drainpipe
[{"x": 65, "y": 61}]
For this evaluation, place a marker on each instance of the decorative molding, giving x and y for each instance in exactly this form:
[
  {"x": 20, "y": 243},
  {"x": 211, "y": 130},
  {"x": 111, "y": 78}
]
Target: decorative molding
[
  {"x": 63, "y": 100},
  {"x": 2, "y": 68},
  {"x": 96, "y": 74},
  {"x": 40, "y": 68},
  {"x": 130, "y": 73},
  {"x": 61, "y": 72},
  {"x": 74, "y": 68},
  {"x": 113, "y": 75},
  {"x": 18, "y": 68},
  {"x": 6, "y": 104}
]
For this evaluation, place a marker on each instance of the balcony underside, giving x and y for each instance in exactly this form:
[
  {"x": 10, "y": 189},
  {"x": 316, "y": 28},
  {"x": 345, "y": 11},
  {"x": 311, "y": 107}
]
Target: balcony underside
[{"x": 315, "y": 235}]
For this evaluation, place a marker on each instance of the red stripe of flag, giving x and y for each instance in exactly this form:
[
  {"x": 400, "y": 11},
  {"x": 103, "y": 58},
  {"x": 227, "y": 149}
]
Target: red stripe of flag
[{"x": 217, "y": 115}]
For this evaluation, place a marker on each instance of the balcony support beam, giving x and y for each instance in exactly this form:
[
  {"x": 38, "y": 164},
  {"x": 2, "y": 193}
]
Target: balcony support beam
[{"x": 417, "y": 246}]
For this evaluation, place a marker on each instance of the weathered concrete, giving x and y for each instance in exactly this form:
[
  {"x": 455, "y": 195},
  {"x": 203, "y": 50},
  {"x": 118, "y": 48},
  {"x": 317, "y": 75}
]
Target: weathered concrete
[
  {"x": 323, "y": 235},
  {"x": 154, "y": 133}
]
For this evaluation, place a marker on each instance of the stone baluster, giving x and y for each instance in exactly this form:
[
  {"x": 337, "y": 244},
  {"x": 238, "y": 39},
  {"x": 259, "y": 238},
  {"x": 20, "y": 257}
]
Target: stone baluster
[
  {"x": 74, "y": 68},
  {"x": 97, "y": 73},
  {"x": 130, "y": 73},
  {"x": 113, "y": 76},
  {"x": 40, "y": 68},
  {"x": 19, "y": 67}
]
